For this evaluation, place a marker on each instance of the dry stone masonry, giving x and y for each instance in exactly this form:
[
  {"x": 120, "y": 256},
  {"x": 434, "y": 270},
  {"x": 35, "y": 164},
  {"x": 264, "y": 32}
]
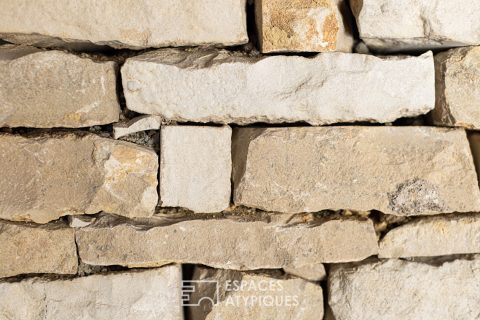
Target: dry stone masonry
[{"x": 234, "y": 159}]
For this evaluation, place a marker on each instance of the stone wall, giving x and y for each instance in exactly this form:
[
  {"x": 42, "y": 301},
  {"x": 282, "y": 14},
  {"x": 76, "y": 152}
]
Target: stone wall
[{"x": 269, "y": 159}]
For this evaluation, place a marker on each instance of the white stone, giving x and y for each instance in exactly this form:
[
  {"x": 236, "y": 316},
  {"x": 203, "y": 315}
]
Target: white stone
[
  {"x": 393, "y": 25},
  {"x": 136, "y": 295},
  {"x": 195, "y": 167},
  {"x": 217, "y": 86},
  {"x": 396, "y": 289},
  {"x": 124, "y": 24},
  {"x": 141, "y": 123}
]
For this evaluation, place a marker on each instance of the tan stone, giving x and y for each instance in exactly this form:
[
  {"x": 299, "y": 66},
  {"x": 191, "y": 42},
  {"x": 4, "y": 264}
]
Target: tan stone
[
  {"x": 249, "y": 296},
  {"x": 397, "y": 170},
  {"x": 435, "y": 236},
  {"x": 311, "y": 272},
  {"x": 141, "y": 123},
  {"x": 457, "y": 82},
  {"x": 26, "y": 249},
  {"x": 46, "y": 89},
  {"x": 474, "y": 139},
  {"x": 227, "y": 243},
  {"x": 146, "y": 295},
  {"x": 395, "y": 289},
  {"x": 49, "y": 176},
  {"x": 124, "y": 24},
  {"x": 195, "y": 167}
]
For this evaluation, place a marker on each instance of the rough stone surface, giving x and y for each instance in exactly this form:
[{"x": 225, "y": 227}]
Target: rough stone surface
[
  {"x": 311, "y": 272},
  {"x": 227, "y": 244},
  {"x": 392, "y": 25},
  {"x": 137, "y": 124},
  {"x": 254, "y": 296},
  {"x": 397, "y": 170},
  {"x": 474, "y": 139},
  {"x": 49, "y": 176},
  {"x": 45, "y": 89},
  {"x": 150, "y": 23},
  {"x": 147, "y": 295},
  {"x": 26, "y": 249},
  {"x": 217, "y": 86},
  {"x": 195, "y": 167},
  {"x": 396, "y": 289},
  {"x": 436, "y": 236},
  {"x": 457, "y": 82}
]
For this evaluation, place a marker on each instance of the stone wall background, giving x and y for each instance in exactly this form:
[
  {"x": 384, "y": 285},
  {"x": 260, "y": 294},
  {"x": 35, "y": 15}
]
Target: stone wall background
[{"x": 276, "y": 159}]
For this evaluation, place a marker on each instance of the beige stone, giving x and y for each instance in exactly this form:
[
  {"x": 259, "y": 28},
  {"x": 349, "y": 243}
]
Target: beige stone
[
  {"x": 314, "y": 272},
  {"x": 124, "y": 24},
  {"x": 141, "y": 123},
  {"x": 226, "y": 87},
  {"x": 474, "y": 139},
  {"x": 457, "y": 82},
  {"x": 436, "y": 236},
  {"x": 146, "y": 295},
  {"x": 253, "y": 296},
  {"x": 195, "y": 167},
  {"x": 27, "y": 249},
  {"x": 397, "y": 170},
  {"x": 392, "y": 25},
  {"x": 227, "y": 244},
  {"x": 48, "y": 176},
  {"x": 46, "y": 89},
  {"x": 396, "y": 289}
]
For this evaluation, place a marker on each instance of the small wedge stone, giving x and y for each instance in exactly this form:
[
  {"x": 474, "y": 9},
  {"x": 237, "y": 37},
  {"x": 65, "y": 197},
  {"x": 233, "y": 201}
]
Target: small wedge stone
[
  {"x": 46, "y": 89},
  {"x": 224, "y": 87},
  {"x": 310, "y": 272},
  {"x": 27, "y": 249},
  {"x": 49, "y": 176},
  {"x": 137, "y": 124},
  {"x": 396, "y": 289},
  {"x": 396, "y": 170}
]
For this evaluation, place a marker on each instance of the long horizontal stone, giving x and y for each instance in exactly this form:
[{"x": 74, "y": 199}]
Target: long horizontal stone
[
  {"x": 46, "y": 89},
  {"x": 391, "y": 25},
  {"x": 457, "y": 82},
  {"x": 26, "y": 249},
  {"x": 397, "y": 170},
  {"x": 120, "y": 24},
  {"x": 436, "y": 236},
  {"x": 396, "y": 289},
  {"x": 223, "y": 87},
  {"x": 252, "y": 296},
  {"x": 227, "y": 244},
  {"x": 48, "y": 176},
  {"x": 147, "y": 295}
]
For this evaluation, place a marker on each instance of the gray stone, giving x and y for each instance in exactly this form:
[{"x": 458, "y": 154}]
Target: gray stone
[
  {"x": 225, "y": 87},
  {"x": 141, "y": 123}
]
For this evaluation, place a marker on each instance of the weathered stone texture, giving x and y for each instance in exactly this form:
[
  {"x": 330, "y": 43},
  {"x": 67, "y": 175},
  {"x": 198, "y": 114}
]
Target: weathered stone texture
[
  {"x": 255, "y": 296},
  {"x": 45, "y": 89},
  {"x": 457, "y": 82},
  {"x": 227, "y": 244},
  {"x": 195, "y": 167},
  {"x": 397, "y": 170},
  {"x": 217, "y": 86},
  {"x": 436, "y": 236},
  {"x": 313, "y": 272},
  {"x": 26, "y": 249},
  {"x": 392, "y": 25},
  {"x": 49, "y": 176},
  {"x": 124, "y": 24},
  {"x": 153, "y": 294},
  {"x": 141, "y": 123},
  {"x": 396, "y": 289}
]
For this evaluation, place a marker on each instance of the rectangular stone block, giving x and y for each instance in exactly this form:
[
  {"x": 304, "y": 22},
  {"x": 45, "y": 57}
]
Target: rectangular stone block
[
  {"x": 303, "y": 26},
  {"x": 45, "y": 177},
  {"x": 195, "y": 167},
  {"x": 226, "y": 87},
  {"x": 397, "y": 289},
  {"x": 147, "y": 295},
  {"x": 26, "y": 249},
  {"x": 457, "y": 82},
  {"x": 436, "y": 236},
  {"x": 227, "y": 244},
  {"x": 397, "y": 170},
  {"x": 124, "y": 24},
  {"x": 45, "y": 89},
  {"x": 253, "y": 296},
  {"x": 392, "y": 25}
]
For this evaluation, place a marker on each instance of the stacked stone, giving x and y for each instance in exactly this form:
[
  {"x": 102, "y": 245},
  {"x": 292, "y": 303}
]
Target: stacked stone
[{"x": 204, "y": 179}]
